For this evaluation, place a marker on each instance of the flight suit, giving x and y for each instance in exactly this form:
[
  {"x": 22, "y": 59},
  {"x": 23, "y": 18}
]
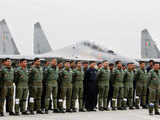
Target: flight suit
[
  {"x": 77, "y": 84},
  {"x": 118, "y": 88},
  {"x": 66, "y": 88},
  {"x": 7, "y": 88},
  {"x": 128, "y": 88},
  {"x": 103, "y": 78},
  {"x": 51, "y": 86},
  {"x": 141, "y": 78},
  {"x": 35, "y": 81},
  {"x": 21, "y": 82},
  {"x": 154, "y": 91},
  {"x": 44, "y": 87}
]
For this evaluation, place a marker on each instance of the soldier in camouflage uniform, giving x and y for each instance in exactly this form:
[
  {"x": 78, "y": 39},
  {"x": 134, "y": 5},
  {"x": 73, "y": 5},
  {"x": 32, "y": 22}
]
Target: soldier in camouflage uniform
[
  {"x": 7, "y": 88},
  {"x": 154, "y": 89},
  {"x": 21, "y": 82},
  {"x": 141, "y": 85},
  {"x": 66, "y": 87},
  {"x": 103, "y": 77},
  {"x": 36, "y": 77},
  {"x": 118, "y": 87},
  {"x": 77, "y": 92},
  {"x": 128, "y": 86},
  {"x": 52, "y": 85}
]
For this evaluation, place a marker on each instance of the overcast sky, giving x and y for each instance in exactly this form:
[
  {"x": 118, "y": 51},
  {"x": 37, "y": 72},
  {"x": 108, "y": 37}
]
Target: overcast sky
[{"x": 114, "y": 23}]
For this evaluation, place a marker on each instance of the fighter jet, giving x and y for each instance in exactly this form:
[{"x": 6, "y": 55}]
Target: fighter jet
[
  {"x": 149, "y": 48},
  {"x": 40, "y": 42},
  {"x": 7, "y": 44}
]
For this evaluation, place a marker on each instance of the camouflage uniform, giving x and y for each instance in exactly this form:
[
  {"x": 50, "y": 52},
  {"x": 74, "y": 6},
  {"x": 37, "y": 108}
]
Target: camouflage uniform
[
  {"x": 21, "y": 81},
  {"x": 7, "y": 88},
  {"x": 128, "y": 88},
  {"x": 154, "y": 91},
  {"x": 77, "y": 83},
  {"x": 141, "y": 87},
  {"x": 51, "y": 86},
  {"x": 118, "y": 88},
  {"x": 66, "y": 88},
  {"x": 103, "y": 77},
  {"x": 35, "y": 81}
]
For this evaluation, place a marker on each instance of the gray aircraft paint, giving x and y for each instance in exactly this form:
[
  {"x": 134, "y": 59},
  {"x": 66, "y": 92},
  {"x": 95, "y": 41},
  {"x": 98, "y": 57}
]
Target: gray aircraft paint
[
  {"x": 149, "y": 48},
  {"x": 7, "y": 44},
  {"x": 40, "y": 43}
]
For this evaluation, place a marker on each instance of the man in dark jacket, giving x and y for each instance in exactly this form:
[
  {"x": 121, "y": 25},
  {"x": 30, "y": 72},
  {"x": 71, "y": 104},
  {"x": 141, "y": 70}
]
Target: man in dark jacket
[{"x": 91, "y": 87}]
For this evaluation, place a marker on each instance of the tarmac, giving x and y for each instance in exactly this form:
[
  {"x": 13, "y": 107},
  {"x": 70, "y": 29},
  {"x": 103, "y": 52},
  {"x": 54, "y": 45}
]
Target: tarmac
[{"x": 107, "y": 115}]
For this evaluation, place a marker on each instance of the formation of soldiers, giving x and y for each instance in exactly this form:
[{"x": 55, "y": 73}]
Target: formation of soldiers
[{"x": 106, "y": 85}]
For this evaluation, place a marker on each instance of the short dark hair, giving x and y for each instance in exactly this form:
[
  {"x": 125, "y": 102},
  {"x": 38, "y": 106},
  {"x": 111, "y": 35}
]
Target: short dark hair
[
  {"x": 85, "y": 62},
  {"x": 6, "y": 59},
  {"x": 92, "y": 62},
  {"x": 155, "y": 63},
  {"x": 21, "y": 60},
  {"x": 35, "y": 59},
  {"x": 78, "y": 61},
  {"x": 129, "y": 63},
  {"x": 105, "y": 61},
  {"x": 66, "y": 61},
  {"x": 99, "y": 63},
  {"x": 151, "y": 61},
  {"x": 140, "y": 62},
  {"x": 117, "y": 62},
  {"x": 111, "y": 64}
]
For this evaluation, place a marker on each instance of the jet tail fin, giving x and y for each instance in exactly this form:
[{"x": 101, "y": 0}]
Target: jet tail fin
[
  {"x": 7, "y": 44},
  {"x": 41, "y": 44},
  {"x": 149, "y": 48}
]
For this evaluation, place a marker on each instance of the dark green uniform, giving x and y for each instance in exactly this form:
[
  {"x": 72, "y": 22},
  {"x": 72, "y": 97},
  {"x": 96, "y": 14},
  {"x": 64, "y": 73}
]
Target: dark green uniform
[
  {"x": 66, "y": 88},
  {"x": 21, "y": 81},
  {"x": 103, "y": 77},
  {"x": 51, "y": 86},
  {"x": 154, "y": 90},
  {"x": 118, "y": 88},
  {"x": 128, "y": 88},
  {"x": 7, "y": 88},
  {"x": 35, "y": 81},
  {"x": 77, "y": 83},
  {"x": 141, "y": 87}
]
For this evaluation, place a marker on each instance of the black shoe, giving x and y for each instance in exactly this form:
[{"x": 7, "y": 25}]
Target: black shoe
[
  {"x": 12, "y": 113},
  {"x": 17, "y": 114},
  {"x": 131, "y": 108},
  {"x": 101, "y": 109},
  {"x": 120, "y": 108},
  {"x": 62, "y": 111},
  {"x": 82, "y": 110},
  {"x": 39, "y": 112},
  {"x": 25, "y": 113},
  {"x": 31, "y": 112},
  {"x": 137, "y": 107},
  {"x": 157, "y": 113},
  {"x": 150, "y": 113},
  {"x": 1, "y": 114},
  {"x": 144, "y": 107},
  {"x": 56, "y": 111},
  {"x": 74, "y": 110},
  {"x": 114, "y": 109},
  {"x": 46, "y": 111},
  {"x": 69, "y": 110},
  {"x": 106, "y": 109},
  {"x": 124, "y": 108}
]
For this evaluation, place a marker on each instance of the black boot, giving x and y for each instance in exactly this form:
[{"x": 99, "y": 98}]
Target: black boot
[
  {"x": 69, "y": 110},
  {"x": 74, "y": 110},
  {"x": 39, "y": 112},
  {"x": 31, "y": 112},
  {"x": 11, "y": 113},
  {"x": 25, "y": 113},
  {"x": 46, "y": 111},
  {"x": 56, "y": 111},
  {"x": 1, "y": 114}
]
